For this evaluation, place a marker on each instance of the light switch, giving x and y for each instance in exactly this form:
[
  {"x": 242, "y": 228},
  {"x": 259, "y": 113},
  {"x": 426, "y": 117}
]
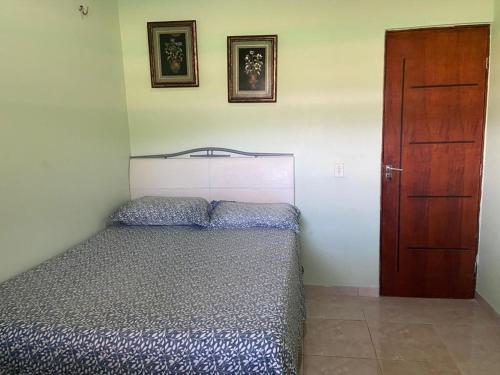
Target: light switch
[{"x": 339, "y": 169}]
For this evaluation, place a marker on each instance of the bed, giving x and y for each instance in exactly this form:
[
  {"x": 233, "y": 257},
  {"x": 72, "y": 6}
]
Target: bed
[{"x": 159, "y": 300}]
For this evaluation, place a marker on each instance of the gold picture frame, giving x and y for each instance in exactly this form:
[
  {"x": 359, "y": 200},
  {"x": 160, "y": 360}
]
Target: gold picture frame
[
  {"x": 173, "y": 54},
  {"x": 252, "y": 68}
]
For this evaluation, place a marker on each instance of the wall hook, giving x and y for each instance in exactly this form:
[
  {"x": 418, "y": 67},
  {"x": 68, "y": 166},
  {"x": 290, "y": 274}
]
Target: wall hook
[{"x": 84, "y": 11}]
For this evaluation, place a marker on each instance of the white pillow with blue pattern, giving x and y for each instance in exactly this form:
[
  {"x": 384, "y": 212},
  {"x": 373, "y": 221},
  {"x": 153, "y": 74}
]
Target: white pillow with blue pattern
[
  {"x": 227, "y": 214},
  {"x": 164, "y": 211}
]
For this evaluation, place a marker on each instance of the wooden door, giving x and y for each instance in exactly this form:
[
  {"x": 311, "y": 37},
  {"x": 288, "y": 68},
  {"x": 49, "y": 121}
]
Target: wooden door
[{"x": 434, "y": 110}]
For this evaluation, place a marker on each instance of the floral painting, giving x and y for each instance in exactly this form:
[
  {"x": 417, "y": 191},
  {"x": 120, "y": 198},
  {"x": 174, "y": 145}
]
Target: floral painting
[
  {"x": 253, "y": 72},
  {"x": 173, "y": 53},
  {"x": 252, "y": 68},
  {"x": 174, "y": 50}
]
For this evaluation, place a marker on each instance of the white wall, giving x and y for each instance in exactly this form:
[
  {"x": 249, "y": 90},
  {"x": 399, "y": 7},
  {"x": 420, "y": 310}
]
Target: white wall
[
  {"x": 488, "y": 283},
  {"x": 64, "y": 143},
  {"x": 330, "y": 86}
]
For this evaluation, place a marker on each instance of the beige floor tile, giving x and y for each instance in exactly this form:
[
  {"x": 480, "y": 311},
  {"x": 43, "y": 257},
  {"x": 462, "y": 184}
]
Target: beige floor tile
[
  {"x": 491, "y": 312},
  {"x": 410, "y": 335},
  {"x": 401, "y": 301},
  {"x": 428, "y": 311},
  {"x": 369, "y": 292},
  {"x": 408, "y": 341},
  {"x": 425, "y": 302},
  {"x": 494, "y": 316},
  {"x": 342, "y": 338},
  {"x": 460, "y": 314},
  {"x": 394, "y": 303},
  {"x": 417, "y": 368},
  {"x": 397, "y": 313},
  {"x": 475, "y": 348},
  {"x": 334, "y": 309},
  {"x": 317, "y": 365},
  {"x": 313, "y": 291}
]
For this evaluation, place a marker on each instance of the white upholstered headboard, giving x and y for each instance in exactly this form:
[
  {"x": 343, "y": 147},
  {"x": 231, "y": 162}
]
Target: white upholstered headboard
[{"x": 215, "y": 174}]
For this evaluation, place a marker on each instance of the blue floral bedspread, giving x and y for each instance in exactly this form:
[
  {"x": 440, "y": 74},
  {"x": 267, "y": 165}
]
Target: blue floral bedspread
[{"x": 158, "y": 300}]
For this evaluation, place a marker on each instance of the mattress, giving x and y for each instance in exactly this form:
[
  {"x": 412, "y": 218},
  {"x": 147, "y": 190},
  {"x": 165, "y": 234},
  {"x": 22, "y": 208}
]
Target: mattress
[{"x": 158, "y": 300}]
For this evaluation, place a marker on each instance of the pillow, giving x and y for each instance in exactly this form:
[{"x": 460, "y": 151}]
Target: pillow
[
  {"x": 227, "y": 214},
  {"x": 163, "y": 211}
]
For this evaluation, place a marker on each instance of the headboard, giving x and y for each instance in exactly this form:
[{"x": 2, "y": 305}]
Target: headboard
[{"x": 215, "y": 173}]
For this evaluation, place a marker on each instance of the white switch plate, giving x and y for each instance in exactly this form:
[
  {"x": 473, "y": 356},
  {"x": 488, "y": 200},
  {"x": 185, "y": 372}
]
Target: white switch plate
[{"x": 339, "y": 169}]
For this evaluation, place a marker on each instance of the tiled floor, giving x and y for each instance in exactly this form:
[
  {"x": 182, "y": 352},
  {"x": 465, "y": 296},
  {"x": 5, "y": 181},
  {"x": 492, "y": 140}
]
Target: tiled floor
[{"x": 398, "y": 336}]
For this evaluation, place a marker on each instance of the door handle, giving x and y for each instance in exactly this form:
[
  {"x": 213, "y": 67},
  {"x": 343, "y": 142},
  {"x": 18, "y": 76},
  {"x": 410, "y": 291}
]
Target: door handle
[{"x": 389, "y": 169}]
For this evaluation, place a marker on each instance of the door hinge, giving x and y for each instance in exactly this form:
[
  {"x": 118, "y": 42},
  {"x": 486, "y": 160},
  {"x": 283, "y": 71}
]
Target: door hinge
[{"x": 487, "y": 63}]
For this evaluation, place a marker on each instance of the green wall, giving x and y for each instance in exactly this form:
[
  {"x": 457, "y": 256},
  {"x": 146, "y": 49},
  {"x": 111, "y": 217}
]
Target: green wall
[
  {"x": 63, "y": 127},
  {"x": 330, "y": 83},
  {"x": 488, "y": 283}
]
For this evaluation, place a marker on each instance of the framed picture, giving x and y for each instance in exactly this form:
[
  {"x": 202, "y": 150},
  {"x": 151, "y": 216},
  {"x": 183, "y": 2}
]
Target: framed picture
[
  {"x": 251, "y": 68},
  {"x": 173, "y": 55}
]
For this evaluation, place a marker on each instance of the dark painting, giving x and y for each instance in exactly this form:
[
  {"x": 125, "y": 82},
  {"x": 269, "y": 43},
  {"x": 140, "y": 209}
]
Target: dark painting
[
  {"x": 252, "y": 69},
  {"x": 173, "y": 54}
]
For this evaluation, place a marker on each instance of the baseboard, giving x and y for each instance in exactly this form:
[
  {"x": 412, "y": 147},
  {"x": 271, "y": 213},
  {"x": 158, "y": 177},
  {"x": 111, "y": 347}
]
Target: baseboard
[{"x": 345, "y": 290}]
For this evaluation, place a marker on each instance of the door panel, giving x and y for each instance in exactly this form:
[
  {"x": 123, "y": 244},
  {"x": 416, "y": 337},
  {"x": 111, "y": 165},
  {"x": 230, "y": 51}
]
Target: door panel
[
  {"x": 446, "y": 114},
  {"x": 438, "y": 223},
  {"x": 446, "y": 56},
  {"x": 438, "y": 273},
  {"x": 434, "y": 106},
  {"x": 441, "y": 169}
]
